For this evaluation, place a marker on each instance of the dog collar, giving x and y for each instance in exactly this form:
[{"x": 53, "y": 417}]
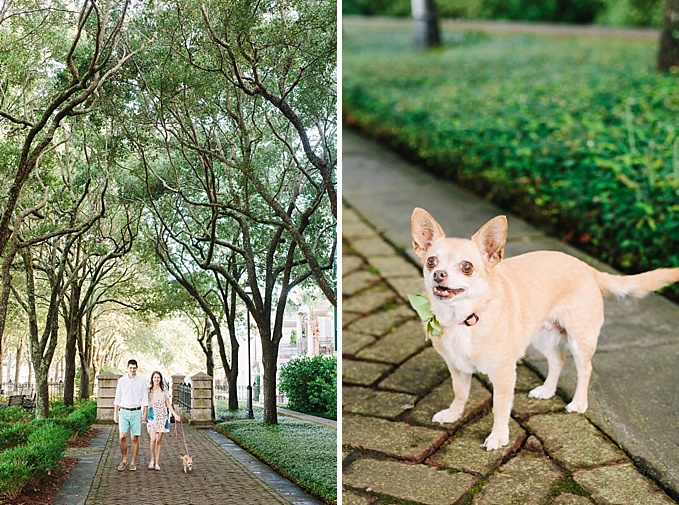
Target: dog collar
[
  {"x": 423, "y": 309},
  {"x": 470, "y": 321}
]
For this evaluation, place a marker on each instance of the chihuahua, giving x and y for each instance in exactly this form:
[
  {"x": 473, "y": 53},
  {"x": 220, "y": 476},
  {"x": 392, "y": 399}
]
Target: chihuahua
[
  {"x": 488, "y": 310},
  {"x": 187, "y": 461}
]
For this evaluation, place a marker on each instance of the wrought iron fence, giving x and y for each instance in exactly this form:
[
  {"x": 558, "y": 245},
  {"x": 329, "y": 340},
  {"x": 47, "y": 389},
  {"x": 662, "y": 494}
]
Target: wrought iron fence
[
  {"x": 184, "y": 396},
  {"x": 221, "y": 392},
  {"x": 27, "y": 389}
]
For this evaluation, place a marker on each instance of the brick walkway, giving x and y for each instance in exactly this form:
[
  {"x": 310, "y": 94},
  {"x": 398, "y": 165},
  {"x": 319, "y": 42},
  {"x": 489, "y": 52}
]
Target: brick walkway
[
  {"x": 222, "y": 474},
  {"x": 393, "y": 383}
]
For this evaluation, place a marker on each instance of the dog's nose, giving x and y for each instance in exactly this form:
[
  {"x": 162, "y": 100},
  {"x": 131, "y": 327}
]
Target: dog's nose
[{"x": 440, "y": 275}]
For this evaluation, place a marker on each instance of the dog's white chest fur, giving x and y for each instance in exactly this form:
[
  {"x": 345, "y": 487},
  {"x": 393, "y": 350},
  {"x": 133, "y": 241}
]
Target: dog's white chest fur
[{"x": 457, "y": 349}]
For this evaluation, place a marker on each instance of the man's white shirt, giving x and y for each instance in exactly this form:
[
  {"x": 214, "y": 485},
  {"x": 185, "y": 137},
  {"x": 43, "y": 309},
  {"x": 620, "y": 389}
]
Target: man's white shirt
[{"x": 131, "y": 393}]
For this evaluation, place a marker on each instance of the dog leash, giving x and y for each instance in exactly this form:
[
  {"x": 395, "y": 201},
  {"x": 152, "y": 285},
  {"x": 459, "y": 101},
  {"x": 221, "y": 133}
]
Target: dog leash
[{"x": 175, "y": 437}]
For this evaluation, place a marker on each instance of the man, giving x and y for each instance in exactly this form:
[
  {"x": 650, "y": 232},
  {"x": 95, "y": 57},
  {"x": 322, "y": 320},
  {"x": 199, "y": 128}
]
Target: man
[{"x": 131, "y": 408}]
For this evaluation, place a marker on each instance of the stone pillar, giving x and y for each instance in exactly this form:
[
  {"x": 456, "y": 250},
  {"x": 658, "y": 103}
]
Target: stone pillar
[
  {"x": 106, "y": 394},
  {"x": 201, "y": 399},
  {"x": 176, "y": 380}
]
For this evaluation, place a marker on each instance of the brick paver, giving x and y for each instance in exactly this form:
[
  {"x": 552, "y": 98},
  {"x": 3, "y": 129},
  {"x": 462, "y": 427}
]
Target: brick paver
[
  {"x": 394, "y": 382},
  {"x": 217, "y": 477}
]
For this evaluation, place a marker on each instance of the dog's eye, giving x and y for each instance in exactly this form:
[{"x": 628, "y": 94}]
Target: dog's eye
[
  {"x": 431, "y": 262},
  {"x": 467, "y": 268}
]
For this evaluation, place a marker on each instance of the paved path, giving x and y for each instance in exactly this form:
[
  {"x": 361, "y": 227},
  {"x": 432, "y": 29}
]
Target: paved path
[
  {"x": 393, "y": 381},
  {"x": 223, "y": 473}
]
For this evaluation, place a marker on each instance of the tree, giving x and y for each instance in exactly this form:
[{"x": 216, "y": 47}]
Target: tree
[
  {"x": 668, "y": 55},
  {"x": 235, "y": 133},
  {"x": 92, "y": 262},
  {"x": 55, "y": 61},
  {"x": 214, "y": 298}
]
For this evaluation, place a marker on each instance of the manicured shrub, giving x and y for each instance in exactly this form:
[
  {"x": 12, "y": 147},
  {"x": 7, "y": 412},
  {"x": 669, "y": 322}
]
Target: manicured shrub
[
  {"x": 34, "y": 447},
  {"x": 44, "y": 448},
  {"x": 310, "y": 383},
  {"x": 14, "y": 471},
  {"x": 12, "y": 434},
  {"x": 76, "y": 423},
  {"x": 15, "y": 415}
]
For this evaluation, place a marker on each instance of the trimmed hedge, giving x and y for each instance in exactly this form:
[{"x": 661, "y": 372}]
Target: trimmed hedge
[
  {"x": 579, "y": 133},
  {"x": 30, "y": 449},
  {"x": 310, "y": 383}
]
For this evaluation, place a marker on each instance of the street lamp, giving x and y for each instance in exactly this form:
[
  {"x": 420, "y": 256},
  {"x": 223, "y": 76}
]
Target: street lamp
[{"x": 250, "y": 414}]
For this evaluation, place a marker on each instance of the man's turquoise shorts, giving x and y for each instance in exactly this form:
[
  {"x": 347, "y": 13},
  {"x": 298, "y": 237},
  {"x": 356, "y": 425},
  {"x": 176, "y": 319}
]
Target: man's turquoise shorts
[{"x": 129, "y": 420}]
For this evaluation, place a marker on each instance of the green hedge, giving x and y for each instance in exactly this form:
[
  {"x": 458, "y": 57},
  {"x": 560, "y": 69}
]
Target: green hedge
[
  {"x": 31, "y": 448},
  {"x": 578, "y": 133},
  {"x": 310, "y": 383},
  {"x": 41, "y": 453}
]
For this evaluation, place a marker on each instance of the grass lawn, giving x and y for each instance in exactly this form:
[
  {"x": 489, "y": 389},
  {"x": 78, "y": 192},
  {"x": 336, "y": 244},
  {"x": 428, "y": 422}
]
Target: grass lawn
[
  {"x": 304, "y": 452},
  {"x": 577, "y": 132}
]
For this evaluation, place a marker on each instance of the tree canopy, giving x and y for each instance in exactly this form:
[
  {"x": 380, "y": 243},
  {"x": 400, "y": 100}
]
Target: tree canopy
[{"x": 158, "y": 146}]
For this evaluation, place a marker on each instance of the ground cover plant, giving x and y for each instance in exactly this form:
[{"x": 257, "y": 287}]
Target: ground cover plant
[
  {"x": 31, "y": 449},
  {"x": 579, "y": 133},
  {"x": 302, "y": 451}
]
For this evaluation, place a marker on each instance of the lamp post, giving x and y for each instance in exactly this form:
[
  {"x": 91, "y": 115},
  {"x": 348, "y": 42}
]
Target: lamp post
[{"x": 250, "y": 414}]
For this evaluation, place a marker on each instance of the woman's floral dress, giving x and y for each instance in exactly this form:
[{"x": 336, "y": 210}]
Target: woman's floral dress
[{"x": 160, "y": 413}]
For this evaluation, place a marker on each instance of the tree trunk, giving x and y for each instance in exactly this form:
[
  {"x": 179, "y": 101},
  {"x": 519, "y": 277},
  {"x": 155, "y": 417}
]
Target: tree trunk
[
  {"x": 85, "y": 381},
  {"x": 69, "y": 359},
  {"x": 231, "y": 375},
  {"x": 86, "y": 353},
  {"x": 269, "y": 364},
  {"x": 17, "y": 369},
  {"x": 209, "y": 357},
  {"x": 668, "y": 54}
]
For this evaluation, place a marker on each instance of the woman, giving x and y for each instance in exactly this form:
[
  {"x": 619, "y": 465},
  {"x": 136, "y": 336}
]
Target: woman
[{"x": 158, "y": 418}]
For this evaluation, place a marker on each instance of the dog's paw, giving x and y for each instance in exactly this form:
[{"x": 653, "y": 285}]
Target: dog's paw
[
  {"x": 577, "y": 407},
  {"x": 541, "y": 393},
  {"x": 447, "y": 416},
  {"x": 495, "y": 441}
]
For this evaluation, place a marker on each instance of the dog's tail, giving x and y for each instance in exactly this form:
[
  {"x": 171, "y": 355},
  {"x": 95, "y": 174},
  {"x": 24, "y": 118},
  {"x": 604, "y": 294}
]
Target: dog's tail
[{"x": 637, "y": 285}]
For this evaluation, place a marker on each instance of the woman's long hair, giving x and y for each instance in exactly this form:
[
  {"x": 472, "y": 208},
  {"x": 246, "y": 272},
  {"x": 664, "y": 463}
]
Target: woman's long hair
[{"x": 162, "y": 382}]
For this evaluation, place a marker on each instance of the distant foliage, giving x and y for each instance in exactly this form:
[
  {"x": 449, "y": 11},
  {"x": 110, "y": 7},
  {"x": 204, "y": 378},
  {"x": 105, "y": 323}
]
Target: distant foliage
[
  {"x": 310, "y": 383},
  {"x": 607, "y": 12}
]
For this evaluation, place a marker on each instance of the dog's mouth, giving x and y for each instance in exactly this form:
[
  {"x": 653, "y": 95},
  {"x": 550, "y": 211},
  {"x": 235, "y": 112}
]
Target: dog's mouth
[{"x": 444, "y": 292}]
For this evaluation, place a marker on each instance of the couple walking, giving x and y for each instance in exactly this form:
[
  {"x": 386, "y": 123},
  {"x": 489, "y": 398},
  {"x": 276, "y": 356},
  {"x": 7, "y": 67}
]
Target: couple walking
[{"x": 135, "y": 404}]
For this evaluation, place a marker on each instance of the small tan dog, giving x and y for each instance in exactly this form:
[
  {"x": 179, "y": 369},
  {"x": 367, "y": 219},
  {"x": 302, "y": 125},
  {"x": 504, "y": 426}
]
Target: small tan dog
[
  {"x": 489, "y": 311},
  {"x": 187, "y": 461}
]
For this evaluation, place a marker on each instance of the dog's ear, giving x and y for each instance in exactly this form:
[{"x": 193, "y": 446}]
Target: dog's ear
[
  {"x": 425, "y": 231},
  {"x": 491, "y": 240}
]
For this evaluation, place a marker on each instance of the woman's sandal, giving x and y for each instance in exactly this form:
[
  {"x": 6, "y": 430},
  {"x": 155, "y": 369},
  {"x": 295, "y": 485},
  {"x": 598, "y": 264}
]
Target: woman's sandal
[
  {"x": 133, "y": 467},
  {"x": 151, "y": 465},
  {"x": 122, "y": 466},
  {"x": 157, "y": 467}
]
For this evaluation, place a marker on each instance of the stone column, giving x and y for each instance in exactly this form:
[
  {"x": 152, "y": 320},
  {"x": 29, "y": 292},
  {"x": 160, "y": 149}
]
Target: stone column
[
  {"x": 201, "y": 400},
  {"x": 106, "y": 394},
  {"x": 176, "y": 379}
]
